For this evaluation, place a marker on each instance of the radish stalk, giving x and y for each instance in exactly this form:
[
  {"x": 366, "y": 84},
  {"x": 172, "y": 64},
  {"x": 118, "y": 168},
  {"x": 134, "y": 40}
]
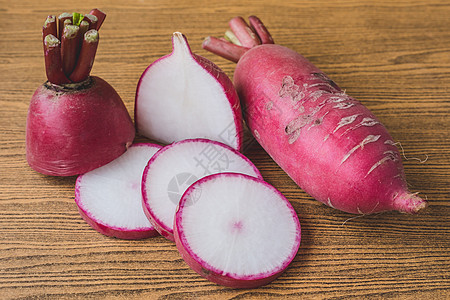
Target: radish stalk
[
  {"x": 100, "y": 17},
  {"x": 84, "y": 27},
  {"x": 246, "y": 36},
  {"x": 70, "y": 41},
  {"x": 50, "y": 27},
  {"x": 230, "y": 37},
  {"x": 92, "y": 20},
  {"x": 53, "y": 62},
  {"x": 260, "y": 30},
  {"x": 61, "y": 19},
  {"x": 224, "y": 49},
  {"x": 67, "y": 22},
  {"x": 87, "y": 55}
]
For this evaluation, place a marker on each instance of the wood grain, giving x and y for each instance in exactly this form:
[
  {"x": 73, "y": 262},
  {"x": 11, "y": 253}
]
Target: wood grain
[{"x": 394, "y": 56}]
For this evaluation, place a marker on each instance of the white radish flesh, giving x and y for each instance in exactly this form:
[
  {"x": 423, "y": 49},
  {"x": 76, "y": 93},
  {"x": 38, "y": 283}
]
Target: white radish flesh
[
  {"x": 183, "y": 95},
  {"x": 175, "y": 167},
  {"x": 236, "y": 230},
  {"x": 109, "y": 198}
]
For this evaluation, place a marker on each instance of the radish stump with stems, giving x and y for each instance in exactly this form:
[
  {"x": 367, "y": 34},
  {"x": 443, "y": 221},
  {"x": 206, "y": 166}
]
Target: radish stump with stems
[
  {"x": 326, "y": 141},
  {"x": 109, "y": 197},
  {"x": 183, "y": 95},
  {"x": 76, "y": 122},
  {"x": 236, "y": 230}
]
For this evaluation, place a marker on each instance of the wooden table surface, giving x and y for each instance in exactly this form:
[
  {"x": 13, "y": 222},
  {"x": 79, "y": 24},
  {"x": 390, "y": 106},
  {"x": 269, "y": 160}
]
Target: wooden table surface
[{"x": 394, "y": 56}]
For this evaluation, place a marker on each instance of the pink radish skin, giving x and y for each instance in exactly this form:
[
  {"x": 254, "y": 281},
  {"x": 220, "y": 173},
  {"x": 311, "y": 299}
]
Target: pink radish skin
[
  {"x": 73, "y": 131},
  {"x": 179, "y": 159},
  {"x": 98, "y": 215},
  {"x": 327, "y": 142},
  {"x": 118, "y": 232},
  {"x": 183, "y": 96},
  {"x": 193, "y": 230}
]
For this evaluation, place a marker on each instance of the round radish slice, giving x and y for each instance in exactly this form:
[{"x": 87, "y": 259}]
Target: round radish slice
[
  {"x": 175, "y": 167},
  {"x": 109, "y": 198},
  {"x": 236, "y": 230},
  {"x": 183, "y": 96}
]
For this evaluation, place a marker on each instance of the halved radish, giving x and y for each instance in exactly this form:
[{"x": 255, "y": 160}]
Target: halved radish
[
  {"x": 109, "y": 198},
  {"x": 236, "y": 230},
  {"x": 175, "y": 167},
  {"x": 183, "y": 95}
]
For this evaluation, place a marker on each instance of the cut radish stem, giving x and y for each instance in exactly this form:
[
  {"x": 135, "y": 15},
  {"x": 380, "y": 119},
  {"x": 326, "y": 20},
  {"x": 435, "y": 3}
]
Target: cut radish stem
[
  {"x": 70, "y": 41},
  {"x": 183, "y": 95},
  {"x": 87, "y": 55},
  {"x": 109, "y": 198},
  {"x": 236, "y": 230},
  {"x": 261, "y": 30},
  {"x": 170, "y": 172},
  {"x": 84, "y": 27},
  {"x": 99, "y": 15},
  {"x": 92, "y": 20},
  {"x": 62, "y": 18},
  {"x": 246, "y": 36},
  {"x": 231, "y": 37},
  {"x": 50, "y": 27},
  {"x": 224, "y": 48},
  {"x": 53, "y": 62}
]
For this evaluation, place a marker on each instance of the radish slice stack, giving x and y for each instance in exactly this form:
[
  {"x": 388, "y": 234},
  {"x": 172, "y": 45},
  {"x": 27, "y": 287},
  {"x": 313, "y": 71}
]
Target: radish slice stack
[
  {"x": 229, "y": 225},
  {"x": 109, "y": 198}
]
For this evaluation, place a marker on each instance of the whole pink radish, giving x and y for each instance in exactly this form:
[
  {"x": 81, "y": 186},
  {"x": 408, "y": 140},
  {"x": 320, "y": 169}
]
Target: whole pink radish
[
  {"x": 331, "y": 145},
  {"x": 183, "y": 96},
  {"x": 236, "y": 230},
  {"x": 76, "y": 122}
]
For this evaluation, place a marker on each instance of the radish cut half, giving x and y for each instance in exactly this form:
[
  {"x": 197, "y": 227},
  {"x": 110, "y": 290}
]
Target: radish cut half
[
  {"x": 109, "y": 198},
  {"x": 183, "y": 96},
  {"x": 236, "y": 230},
  {"x": 175, "y": 167}
]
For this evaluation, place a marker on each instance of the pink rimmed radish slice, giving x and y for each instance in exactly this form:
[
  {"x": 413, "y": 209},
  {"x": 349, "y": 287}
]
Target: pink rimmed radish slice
[
  {"x": 236, "y": 230},
  {"x": 109, "y": 198},
  {"x": 183, "y": 95},
  {"x": 175, "y": 167}
]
